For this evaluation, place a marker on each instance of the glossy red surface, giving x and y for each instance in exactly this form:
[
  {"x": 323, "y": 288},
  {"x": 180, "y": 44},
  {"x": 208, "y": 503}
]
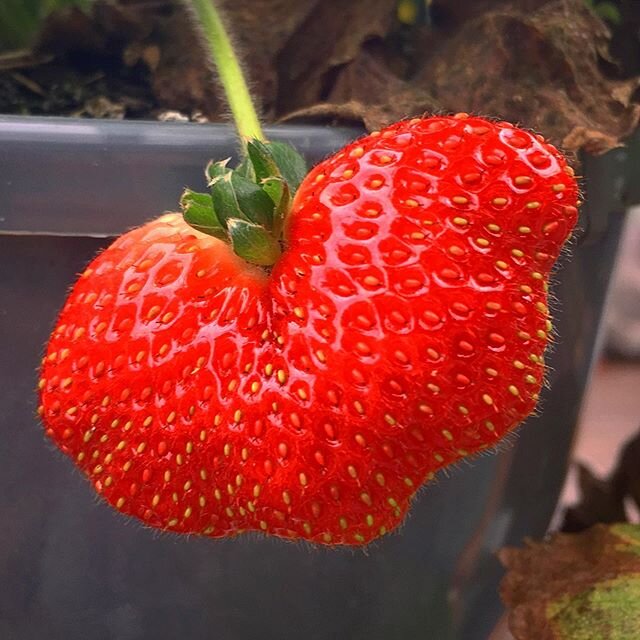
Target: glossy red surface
[{"x": 403, "y": 328}]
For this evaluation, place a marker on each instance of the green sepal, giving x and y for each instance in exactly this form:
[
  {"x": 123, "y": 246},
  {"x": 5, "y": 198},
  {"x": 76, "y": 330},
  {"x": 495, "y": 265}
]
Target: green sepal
[
  {"x": 277, "y": 160},
  {"x": 236, "y": 197},
  {"x": 197, "y": 210},
  {"x": 215, "y": 170},
  {"x": 291, "y": 164},
  {"x": 248, "y": 205},
  {"x": 253, "y": 242},
  {"x": 262, "y": 159},
  {"x": 278, "y": 191},
  {"x": 246, "y": 170},
  {"x": 224, "y": 199},
  {"x": 274, "y": 187},
  {"x": 253, "y": 201}
]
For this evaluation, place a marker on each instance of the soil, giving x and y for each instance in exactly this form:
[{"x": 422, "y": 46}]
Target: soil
[{"x": 100, "y": 89}]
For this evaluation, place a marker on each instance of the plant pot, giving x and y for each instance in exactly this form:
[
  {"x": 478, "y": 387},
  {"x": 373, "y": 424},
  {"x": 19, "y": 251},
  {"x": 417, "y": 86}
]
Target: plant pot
[{"x": 73, "y": 568}]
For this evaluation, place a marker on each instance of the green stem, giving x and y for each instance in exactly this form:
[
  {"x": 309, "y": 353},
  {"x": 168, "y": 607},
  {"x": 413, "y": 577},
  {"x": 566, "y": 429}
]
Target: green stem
[{"x": 231, "y": 76}]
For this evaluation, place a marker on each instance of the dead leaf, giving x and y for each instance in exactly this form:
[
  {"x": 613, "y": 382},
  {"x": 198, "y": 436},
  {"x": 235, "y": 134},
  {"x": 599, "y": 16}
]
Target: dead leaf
[
  {"x": 149, "y": 47},
  {"x": 172, "y": 116},
  {"x": 34, "y": 87},
  {"x": 590, "y": 140},
  {"x": 107, "y": 27},
  {"x": 367, "y": 93},
  {"x": 541, "y": 63},
  {"x": 351, "y": 113},
  {"x": 540, "y": 69},
  {"x": 331, "y": 36},
  {"x": 529, "y": 61},
  {"x": 575, "y": 587}
]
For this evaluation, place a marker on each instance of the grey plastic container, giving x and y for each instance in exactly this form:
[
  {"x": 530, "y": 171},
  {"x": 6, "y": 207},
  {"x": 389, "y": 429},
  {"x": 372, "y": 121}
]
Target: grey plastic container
[{"x": 71, "y": 568}]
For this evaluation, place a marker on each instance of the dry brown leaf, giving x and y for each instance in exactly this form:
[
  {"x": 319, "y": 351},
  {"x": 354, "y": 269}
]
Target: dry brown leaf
[
  {"x": 331, "y": 36},
  {"x": 539, "y": 69},
  {"x": 351, "y": 97},
  {"x": 575, "y": 587},
  {"x": 350, "y": 113},
  {"x": 105, "y": 28},
  {"x": 591, "y": 140}
]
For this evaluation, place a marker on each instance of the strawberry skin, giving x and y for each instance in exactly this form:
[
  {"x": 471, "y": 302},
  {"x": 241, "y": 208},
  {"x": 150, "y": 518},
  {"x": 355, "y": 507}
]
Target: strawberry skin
[{"x": 403, "y": 328}]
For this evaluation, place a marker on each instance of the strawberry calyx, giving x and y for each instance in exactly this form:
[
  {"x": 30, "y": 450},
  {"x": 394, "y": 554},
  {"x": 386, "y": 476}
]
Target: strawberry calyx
[{"x": 247, "y": 206}]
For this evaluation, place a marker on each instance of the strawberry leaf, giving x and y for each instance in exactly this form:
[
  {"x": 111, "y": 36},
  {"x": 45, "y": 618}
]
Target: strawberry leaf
[
  {"x": 197, "y": 210},
  {"x": 253, "y": 242}
]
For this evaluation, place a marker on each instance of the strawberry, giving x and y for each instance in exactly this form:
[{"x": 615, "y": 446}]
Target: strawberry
[{"x": 403, "y": 328}]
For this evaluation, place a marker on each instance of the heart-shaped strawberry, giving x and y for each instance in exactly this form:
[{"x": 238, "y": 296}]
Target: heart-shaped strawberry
[{"x": 403, "y": 328}]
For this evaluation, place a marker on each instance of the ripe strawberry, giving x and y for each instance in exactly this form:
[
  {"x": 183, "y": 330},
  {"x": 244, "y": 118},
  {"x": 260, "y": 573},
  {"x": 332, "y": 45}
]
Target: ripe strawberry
[{"x": 403, "y": 328}]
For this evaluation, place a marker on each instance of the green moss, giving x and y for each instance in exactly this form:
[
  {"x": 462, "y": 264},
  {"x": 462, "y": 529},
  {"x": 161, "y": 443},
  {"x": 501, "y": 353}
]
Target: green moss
[
  {"x": 608, "y": 610},
  {"x": 630, "y": 536}
]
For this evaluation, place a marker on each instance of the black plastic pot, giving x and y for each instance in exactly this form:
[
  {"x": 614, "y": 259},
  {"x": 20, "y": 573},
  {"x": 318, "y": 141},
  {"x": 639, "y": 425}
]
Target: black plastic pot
[{"x": 72, "y": 568}]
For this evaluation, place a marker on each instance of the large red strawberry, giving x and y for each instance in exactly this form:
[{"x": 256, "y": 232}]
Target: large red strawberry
[{"x": 402, "y": 328}]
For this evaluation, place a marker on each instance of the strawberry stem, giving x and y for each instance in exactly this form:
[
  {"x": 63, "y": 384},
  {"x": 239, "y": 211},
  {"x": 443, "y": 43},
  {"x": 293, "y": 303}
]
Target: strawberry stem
[
  {"x": 229, "y": 70},
  {"x": 246, "y": 206}
]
